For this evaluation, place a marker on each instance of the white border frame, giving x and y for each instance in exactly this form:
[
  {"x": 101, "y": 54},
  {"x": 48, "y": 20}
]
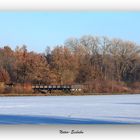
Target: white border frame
[
  {"x": 100, "y": 132},
  {"x": 74, "y": 5}
]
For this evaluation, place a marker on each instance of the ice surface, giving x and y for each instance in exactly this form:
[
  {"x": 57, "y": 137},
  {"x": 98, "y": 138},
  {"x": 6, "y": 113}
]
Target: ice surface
[{"x": 102, "y": 109}]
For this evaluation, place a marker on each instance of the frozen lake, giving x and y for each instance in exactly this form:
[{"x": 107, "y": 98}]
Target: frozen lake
[{"x": 103, "y": 109}]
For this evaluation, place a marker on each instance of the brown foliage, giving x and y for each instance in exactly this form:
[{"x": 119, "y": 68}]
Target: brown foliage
[
  {"x": 102, "y": 63},
  {"x": 22, "y": 88},
  {"x": 2, "y": 87},
  {"x": 134, "y": 85},
  {"x": 4, "y": 76},
  {"x": 103, "y": 86}
]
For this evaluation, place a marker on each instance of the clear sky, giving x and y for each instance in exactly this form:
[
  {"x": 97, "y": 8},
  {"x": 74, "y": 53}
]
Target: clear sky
[{"x": 40, "y": 29}]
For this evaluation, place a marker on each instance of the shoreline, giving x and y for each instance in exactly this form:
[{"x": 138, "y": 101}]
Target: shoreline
[{"x": 86, "y": 94}]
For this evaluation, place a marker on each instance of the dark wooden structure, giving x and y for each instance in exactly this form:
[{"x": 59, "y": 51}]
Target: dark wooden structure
[{"x": 50, "y": 88}]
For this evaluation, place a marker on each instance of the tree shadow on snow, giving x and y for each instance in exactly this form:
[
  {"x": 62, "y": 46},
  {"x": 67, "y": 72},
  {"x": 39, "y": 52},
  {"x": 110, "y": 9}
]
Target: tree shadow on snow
[{"x": 23, "y": 119}]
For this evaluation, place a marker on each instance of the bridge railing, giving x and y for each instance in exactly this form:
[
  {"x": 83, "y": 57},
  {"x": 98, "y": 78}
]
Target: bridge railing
[
  {"x": 58, "y": 87},
  {"x": 51, "y": 86}
]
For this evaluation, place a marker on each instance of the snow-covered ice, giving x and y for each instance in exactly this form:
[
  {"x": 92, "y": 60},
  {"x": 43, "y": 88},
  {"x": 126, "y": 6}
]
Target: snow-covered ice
[{"x": 102, "y": 109}]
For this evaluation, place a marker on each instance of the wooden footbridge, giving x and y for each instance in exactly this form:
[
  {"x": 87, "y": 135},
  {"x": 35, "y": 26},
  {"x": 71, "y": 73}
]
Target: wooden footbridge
[{"x": 50, "y": 88}]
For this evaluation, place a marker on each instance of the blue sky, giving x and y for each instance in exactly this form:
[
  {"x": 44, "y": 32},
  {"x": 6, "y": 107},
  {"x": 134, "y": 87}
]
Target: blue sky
[{"x": 40, "y": 29}]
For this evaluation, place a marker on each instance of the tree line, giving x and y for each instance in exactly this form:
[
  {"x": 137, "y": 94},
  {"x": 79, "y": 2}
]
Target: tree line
[{"x": 98, "y": 61}]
